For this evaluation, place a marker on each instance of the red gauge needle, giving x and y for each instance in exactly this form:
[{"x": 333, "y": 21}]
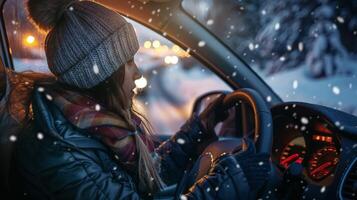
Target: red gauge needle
[
  {"x": 289, "y": 159},
  {"x": 321, "y": 167}
]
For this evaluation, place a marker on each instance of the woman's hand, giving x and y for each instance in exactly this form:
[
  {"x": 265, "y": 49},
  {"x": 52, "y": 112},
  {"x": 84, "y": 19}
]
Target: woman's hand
[{"x": 213, "y": 114}]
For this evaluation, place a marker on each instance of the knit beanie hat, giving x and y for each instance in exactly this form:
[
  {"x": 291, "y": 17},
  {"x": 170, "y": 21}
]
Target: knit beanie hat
[{"x": 86, "y": 42}]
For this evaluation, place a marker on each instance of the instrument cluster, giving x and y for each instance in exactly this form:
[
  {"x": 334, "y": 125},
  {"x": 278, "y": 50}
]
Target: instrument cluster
[{"x": 314, "y": 146}]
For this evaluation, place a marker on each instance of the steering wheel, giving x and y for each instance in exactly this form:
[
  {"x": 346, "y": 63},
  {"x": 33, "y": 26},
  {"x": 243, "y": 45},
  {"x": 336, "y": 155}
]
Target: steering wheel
[{"x": 263, "y": 132}]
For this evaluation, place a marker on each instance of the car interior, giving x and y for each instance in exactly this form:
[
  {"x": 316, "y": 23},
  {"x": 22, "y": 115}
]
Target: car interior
[{"x": 313, "y": 148}]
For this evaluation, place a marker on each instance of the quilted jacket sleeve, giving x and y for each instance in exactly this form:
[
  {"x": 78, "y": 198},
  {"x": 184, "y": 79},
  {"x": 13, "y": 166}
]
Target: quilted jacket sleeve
[{"x": 182, "y": 149}]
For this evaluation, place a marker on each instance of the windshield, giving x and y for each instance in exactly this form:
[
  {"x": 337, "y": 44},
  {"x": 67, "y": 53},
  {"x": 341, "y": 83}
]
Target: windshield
[{"x": 304, "y": 50}]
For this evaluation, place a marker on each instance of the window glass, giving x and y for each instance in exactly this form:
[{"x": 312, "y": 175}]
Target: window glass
[
  {"x": 172, "y": 78},
  {"x": 305, "y": 50}
]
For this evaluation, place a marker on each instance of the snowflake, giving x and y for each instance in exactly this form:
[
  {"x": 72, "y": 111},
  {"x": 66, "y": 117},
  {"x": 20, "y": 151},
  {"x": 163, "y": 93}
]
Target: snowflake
[
  {"x": 234, "y": 74},
  {"x": 238, "y": 166},
  {"x": 183, "y": 197},
  {"x": 277, "y": 26},
  {"x": 336, "y": 90},
  {"x": 97, "y": 107},
  {"x": 12, "y": 138},
  {"x": 208, "y": 189},
  {"x": 71, "y": 8},
  {"x": 216, "y": 189},
  {"x": 181, "y": 141},
  {"x": 268, "y": 98},
  {"x": 210, "y": 22},
  {"x": 40, "y": 89},
  {"x": 251, "y": 46},
  {"x": 264, "y": 12},
  {"x": 340, "y": 19},
  {"x": 40, "y": 136},
  {"x": 95, "y": 69},
  {"x": 304, "y": 120},
  {"x": 49, "y": 97},
  {"x": 301, "y": 46},
  {"x": 337, "y": 123},
  {"x": 323, "y": 189},
  {"x": 282, "y": 58},
  {"x": 260, "y": 163},
  {"x": 150, "y": 20},
  {"x": 295, "y": 84},
  {"x": 201, "y": 43}
]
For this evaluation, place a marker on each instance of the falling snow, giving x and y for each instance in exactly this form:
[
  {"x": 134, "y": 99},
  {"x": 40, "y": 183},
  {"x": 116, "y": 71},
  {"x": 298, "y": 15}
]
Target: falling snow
[
  {"x": 97, "y": 107},
  {"x": 181, "y": 141},
  {"x": 301, "y": 46},
  {"x": 336, "y": 90},
  {"x": 12, "y": 138},
  {"x": 251, "y": 46},
  {"x": 277, "y": 26},
  {"x": 295, "y": 84},
  {"x": 323, "y": 189},
  {"x": 340, "y": 19},
  {"x": 201, "y": 43},
  {"x": 49, "y": 97},
  {"x": 40, "y": 136},
  {"x": 268, "y": 98},
  {"x": 41, "y": 89},
  {"x": 210, "y": 22},
  {"x": 304, "y": 120},
  {"x": 95, "y": 69}
]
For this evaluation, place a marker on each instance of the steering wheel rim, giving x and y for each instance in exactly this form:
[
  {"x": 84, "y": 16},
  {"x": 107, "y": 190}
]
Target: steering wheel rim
[{"x": 263, "y": 132}]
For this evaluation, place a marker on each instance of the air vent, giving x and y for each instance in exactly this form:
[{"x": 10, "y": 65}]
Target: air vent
[{"x": 348, "y": 189}]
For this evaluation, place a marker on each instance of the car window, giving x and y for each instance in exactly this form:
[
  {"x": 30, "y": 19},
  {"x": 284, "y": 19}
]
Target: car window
[
  {"x": 172, "y": 79},
  {"x": 305, "y": 50}
]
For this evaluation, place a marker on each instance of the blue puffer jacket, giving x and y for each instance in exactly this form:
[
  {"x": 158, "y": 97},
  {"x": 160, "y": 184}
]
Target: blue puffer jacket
[{"x": 67, "y": 163}]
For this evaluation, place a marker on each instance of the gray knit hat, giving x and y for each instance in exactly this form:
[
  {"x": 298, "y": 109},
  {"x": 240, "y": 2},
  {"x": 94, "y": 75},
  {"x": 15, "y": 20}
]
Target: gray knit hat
[{"x": 86, "y": 43}]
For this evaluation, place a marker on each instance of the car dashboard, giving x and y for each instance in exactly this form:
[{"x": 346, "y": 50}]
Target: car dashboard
[{"x": 322, "y": 142}]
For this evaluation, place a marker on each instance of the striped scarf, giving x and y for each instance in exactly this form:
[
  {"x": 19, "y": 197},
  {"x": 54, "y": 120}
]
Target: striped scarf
[{"x": 87, "y": 114}]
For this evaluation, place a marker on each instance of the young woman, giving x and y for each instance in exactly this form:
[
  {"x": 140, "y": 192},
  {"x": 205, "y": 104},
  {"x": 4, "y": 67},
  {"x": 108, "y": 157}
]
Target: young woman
[{"x": 77, "y": 134}]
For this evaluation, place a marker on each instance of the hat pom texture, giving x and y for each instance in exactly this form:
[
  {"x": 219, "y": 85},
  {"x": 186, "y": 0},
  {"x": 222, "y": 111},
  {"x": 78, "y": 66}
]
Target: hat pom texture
[{"x": 46, "y": 13}]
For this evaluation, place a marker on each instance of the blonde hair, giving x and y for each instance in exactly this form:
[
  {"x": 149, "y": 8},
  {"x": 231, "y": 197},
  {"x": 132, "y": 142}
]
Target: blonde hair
[{"x": 111, "y": 94}]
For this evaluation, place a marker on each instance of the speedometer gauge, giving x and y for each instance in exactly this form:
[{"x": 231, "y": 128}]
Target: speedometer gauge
[
  {"x": 323, "y": 163},
  {"x": 293, "y": 152}
]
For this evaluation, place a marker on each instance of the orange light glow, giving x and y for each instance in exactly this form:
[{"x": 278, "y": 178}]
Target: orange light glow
[
  {"x": 327, "y": 139},
  {"x": 321, "y": 128},
  {"x": 30, "y": 39}
]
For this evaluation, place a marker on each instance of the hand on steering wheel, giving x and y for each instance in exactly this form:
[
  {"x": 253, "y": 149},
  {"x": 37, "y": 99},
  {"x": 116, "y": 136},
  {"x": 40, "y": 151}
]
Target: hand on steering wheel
[{"x": 213, "y": 114}]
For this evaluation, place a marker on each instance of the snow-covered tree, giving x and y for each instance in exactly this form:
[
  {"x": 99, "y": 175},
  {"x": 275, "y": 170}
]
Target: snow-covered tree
[{"x": 308, "y": 33}]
